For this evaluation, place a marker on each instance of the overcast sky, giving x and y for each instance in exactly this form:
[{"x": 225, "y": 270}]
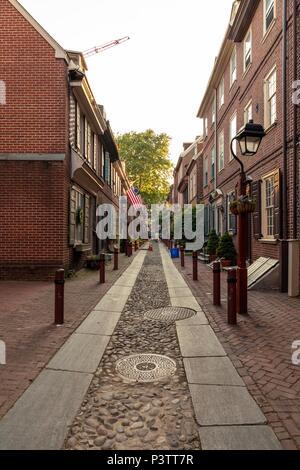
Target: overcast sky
[{"x": 157, "y": 79}]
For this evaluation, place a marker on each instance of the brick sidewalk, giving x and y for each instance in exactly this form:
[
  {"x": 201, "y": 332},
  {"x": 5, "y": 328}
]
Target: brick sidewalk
[
  {"x": 260, "y": 348},
  {"x": 26, "y": 324}
]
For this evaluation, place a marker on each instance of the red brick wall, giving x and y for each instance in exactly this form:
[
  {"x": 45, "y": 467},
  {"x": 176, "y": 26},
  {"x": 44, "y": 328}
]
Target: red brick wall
[
  {"x": 266, "y": 52},
  {"x": 34, "y": 195}
]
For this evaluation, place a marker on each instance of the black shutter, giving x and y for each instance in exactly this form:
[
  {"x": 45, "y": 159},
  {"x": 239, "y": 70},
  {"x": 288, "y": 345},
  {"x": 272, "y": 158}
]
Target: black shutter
[
  {"x": 277, "y": 205},
  {"x": 86, "y": 219},
  {"x": 226, "y": 213},
  {"x": 256, "y": 194},
  {"x": 72, "y": 218},
  {"x": 206, "y": 221}
]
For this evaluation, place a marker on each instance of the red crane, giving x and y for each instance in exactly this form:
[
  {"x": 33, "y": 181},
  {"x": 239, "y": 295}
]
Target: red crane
[{"x": 104, "y": 47}]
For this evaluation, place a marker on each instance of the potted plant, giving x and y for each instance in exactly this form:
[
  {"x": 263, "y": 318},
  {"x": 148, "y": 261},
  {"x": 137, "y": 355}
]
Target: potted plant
[
  {"x": 243, "y": 205},
  {"x": 212, "y": 245},
  {"x": 92, "y": 262},
  {"x": 226, "y": 250}
]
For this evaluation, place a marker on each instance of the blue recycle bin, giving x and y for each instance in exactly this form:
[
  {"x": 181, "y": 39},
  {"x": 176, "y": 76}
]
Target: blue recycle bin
[{"x": 175, "y": 253}]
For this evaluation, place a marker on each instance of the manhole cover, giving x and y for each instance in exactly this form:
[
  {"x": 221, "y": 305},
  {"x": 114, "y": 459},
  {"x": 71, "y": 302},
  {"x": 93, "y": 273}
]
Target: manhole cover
[
  {"x": 146, "y": 367},
  {"x": 170, "y": 314}
]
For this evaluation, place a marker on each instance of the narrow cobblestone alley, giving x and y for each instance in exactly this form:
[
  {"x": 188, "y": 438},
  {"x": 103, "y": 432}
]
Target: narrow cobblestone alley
[{"x": 120, "y": 414}]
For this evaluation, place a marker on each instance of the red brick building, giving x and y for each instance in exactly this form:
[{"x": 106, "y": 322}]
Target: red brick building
[
  {"x": 58, "y": 158},
  {"x": 188, "y": 179},
  {"x": 252, "y": 79}
]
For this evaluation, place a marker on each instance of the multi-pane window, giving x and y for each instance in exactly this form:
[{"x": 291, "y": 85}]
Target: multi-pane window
[
  {"x": 233, "y": 67},
  {"x": 269, "y": 185},
  {"x": 231, "y": 218},
  {"x": 213, "y": 111},
  {"x": 269, "y": 13},
  {"x": 213, "y": 163},
  {"x": 270, "y": 98},
  {"x": 205, "y": 172},
  {"x": 205, "y": 123},
  {"x": 248, "y": 50},
  {"x": 248, "y": 113},
  {"x": 221, "y": 93},
  {"x": 233, "y": 132},
  {"x": 221, "y": 151}
]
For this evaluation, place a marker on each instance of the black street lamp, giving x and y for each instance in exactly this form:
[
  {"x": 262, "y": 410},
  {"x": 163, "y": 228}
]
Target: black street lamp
[{"x": 249, "y": 139}]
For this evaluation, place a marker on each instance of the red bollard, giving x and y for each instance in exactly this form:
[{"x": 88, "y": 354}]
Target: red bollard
[
  {"x": 182, "y": 256},
  {"x": 231, "y": 299},
  {"x": 195, "y": 266},
  {"x": 217, "y": 283},
  {"x": 136, "y": 245},
  {"x": 126, "y": 248},
  {"x": 59, "y": 296},
  {"x": 102, "y": 268},
  {"x": 129, "y": 249},
  {"x": 116, "y": 259}
]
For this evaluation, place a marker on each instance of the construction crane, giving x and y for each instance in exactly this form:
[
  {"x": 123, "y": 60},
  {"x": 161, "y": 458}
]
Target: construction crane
[{"x": 104, "y": 47}]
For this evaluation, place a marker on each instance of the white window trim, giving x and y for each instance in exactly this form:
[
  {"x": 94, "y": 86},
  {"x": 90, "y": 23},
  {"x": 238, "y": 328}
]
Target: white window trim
[
  {"x": 213, "y": 111},
  {"x": 246, "y": 68},
  {"x": 264, "y": 220},
  {"x": 265, "y": 29},
  {"x": 221, "y": 97},
  {"x": 234, "y": 53},
  {"x": 267, "y": 121},
  {"x": 250, "y": 103},
  {"x": 219, "y": 153},
  {"x": 234, "y": 116}
]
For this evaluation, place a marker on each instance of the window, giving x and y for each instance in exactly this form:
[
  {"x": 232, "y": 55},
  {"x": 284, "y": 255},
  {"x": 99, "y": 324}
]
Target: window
[
  {"x": 106, "y": 168},
  {"x": 79, "y": 217},
  {"x": 193, "y": 184},
  {"x": 221, "y": 151},
  {"x": 268, "y": 207},
  {"x": 221, "y": 93},
  {"x": 82, "y": 134},
  {"x": 231, "y": 218},
  {"x": 205, "y": 172},
  {"x": 270, "y": 99},
  {"x": 269, "y": 14},
  {"x": 220, "y": 211},
  {"x": 232, "y": 134},
  {"x": 248, "y": 113},
  {"x": 248, "y": 50},
  {"x": 213, "y": 111},
  {"x": 233, "y": 68},
  {"x": 213, "y": 163},
  {"x": 205, "y": 130}
]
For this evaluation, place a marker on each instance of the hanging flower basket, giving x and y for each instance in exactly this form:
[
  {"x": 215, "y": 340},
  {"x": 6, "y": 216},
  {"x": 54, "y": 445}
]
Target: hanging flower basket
[
  {"x": 79, "y": 217},
  {"x": 243, "y": 205}
]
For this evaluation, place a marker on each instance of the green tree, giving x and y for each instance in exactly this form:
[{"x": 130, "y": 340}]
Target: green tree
[{"x": 148, "y": 164}]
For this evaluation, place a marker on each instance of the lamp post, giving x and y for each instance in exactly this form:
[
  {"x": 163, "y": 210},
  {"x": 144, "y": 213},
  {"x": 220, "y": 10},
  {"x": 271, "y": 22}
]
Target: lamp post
[{"x": 249, "y": 139}]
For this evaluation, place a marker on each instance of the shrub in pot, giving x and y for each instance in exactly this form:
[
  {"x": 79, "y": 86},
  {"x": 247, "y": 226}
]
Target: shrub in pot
[
  {"x": 212, "y": 245},
  {"x": 226, "y": 250},
  {"x": 92, "y": 262}
]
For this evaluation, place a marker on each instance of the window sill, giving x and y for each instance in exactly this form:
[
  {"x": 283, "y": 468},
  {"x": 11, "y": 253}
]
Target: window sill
[
  {"x": 268, "y": 241},
  {"x": 82, "y": 248},
  {"x": 247, "y": 70},
  {"x": 266, "y": 34},
  {"x": 270, "y": 127}
]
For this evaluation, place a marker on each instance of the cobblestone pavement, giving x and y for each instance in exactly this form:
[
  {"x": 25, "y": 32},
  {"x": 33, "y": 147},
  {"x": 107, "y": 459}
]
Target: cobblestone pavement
[
  {"x": 26, "y": 325},
  {"x": 119, "y": 414},
  {"x": 260, "y": 347}
]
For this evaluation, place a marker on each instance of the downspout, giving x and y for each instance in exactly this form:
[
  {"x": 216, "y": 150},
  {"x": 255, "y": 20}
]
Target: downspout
[
  {"x": 216, "y": 154},
  {"x": 295, "y": 126},
  {"x": 284, "y": 229}
]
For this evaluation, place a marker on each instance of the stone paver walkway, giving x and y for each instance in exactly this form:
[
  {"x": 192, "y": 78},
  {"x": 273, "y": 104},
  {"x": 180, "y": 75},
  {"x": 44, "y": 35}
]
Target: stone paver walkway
[
  {"x": 203, "y": 403},
  {"x": 260, "y": 348},
  {"x": 27, "y": 324}
]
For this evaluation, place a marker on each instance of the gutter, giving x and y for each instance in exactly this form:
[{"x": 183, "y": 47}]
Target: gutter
[{"x": 295, "y": 124}]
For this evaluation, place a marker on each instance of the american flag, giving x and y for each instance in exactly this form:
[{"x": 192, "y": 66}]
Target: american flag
[{"x": 134, "y": 197}]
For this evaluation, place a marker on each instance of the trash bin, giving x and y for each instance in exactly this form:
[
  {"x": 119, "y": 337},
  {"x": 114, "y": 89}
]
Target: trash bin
[{"x": 175, "y": 253}]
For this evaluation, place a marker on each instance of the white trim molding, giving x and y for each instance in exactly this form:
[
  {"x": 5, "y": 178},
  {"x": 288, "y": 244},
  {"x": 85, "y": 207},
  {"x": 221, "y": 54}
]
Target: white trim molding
[{"x": 32, "y": 157}]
